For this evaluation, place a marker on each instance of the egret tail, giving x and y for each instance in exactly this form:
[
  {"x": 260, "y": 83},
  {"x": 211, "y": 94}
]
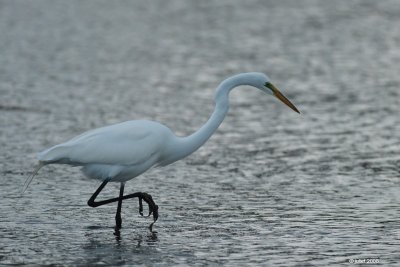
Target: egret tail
[{"x": 30, "y": 178}]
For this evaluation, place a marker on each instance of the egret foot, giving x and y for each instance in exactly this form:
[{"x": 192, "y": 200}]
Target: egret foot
[{"x": 153, "y": 208}]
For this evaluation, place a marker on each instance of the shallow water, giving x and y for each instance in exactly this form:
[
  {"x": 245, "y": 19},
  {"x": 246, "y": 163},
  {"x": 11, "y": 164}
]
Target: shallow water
[{"x": 269, "y": 188}]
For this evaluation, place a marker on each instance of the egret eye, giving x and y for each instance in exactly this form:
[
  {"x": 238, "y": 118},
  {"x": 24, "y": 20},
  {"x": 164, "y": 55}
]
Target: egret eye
[{"x": 269, "y": 86}]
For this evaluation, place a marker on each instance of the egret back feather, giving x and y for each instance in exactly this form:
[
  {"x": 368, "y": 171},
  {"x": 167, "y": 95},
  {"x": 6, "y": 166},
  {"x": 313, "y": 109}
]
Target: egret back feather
[{"x": 30, "y": 178}]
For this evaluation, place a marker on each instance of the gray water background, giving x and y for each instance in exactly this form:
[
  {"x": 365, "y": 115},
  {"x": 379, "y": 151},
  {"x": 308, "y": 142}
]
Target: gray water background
[{"x": 271, "y": 187}]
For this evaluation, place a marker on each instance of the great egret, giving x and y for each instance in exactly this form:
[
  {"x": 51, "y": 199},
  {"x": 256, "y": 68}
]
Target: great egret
[{"x": 120, "y": 152}]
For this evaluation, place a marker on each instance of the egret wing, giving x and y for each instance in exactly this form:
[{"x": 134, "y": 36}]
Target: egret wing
[{"x": 126, "y": 143}]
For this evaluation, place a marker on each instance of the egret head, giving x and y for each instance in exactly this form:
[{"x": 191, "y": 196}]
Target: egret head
[
  {"x": 255, "y": 79},
  {"x": 262, "y": 82}
]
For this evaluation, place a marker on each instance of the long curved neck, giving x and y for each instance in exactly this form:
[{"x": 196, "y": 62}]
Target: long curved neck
[
  {"x": 191, "y": 143},
  {"x": 194, "y": 141}
]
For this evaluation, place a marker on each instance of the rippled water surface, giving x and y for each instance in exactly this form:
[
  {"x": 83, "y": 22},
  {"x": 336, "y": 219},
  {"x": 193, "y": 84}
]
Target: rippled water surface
[{"x": 269, "y": 188}]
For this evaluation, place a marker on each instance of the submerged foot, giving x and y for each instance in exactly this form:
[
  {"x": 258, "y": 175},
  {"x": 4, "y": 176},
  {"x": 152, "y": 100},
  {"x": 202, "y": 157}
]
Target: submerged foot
[{"x": 117, "y": 231}]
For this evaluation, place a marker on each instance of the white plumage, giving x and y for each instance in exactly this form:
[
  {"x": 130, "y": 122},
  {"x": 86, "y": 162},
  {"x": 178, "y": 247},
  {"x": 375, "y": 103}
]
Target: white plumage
[{"x": 120, "y": 151}]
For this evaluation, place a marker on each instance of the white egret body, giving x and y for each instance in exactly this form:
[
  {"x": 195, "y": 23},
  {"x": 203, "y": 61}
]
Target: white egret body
[{"x": 122, "y": 151}]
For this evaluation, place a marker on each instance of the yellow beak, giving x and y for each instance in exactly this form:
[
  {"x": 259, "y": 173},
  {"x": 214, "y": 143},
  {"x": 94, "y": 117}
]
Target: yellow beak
[{"x": 281, "y": 97}]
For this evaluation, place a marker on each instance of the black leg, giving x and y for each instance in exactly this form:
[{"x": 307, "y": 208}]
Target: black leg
[
  {"x": 153, "y": 208},
  {"x": 118, "y": 219},
  {"x": 92, "y": 203}
]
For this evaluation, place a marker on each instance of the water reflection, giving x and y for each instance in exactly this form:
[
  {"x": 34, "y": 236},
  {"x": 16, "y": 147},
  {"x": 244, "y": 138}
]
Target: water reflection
[{"x": 103, "y": 246}]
